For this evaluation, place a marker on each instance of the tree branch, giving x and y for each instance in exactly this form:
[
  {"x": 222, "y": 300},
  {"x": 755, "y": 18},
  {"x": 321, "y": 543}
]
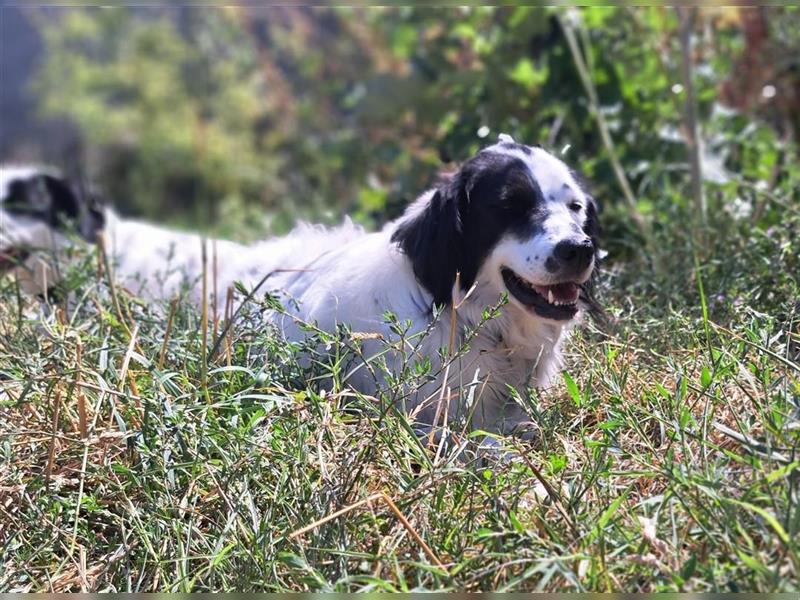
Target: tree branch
[{"x": 686, "y": 17}]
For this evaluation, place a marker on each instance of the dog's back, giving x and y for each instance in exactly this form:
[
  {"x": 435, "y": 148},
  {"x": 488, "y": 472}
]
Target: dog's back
[{"x": 158, "y": 263}]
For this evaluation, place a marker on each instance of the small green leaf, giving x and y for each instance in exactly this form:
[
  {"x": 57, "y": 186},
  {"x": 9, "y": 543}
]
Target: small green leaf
[
  {"x": 705, "y": 377},
  {"x": 688, "y": 569},
  {"x": 606, "y": 516},
  {"x": 767, "y": 516},
  {"x": 572, "y": 389},
  {"x": 527, "y": 75},
  {"x": 752, "y": 562},
  {"x": 292, "y": 560},
  {"x": 557, "y": 462},
  {"x": 515, "y": 522}
]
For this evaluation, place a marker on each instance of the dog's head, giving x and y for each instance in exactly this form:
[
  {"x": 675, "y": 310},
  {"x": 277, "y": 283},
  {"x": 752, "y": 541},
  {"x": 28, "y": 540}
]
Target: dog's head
[
  {"x": 514, "y": 217},
  {"x": 37, "y": 207}
]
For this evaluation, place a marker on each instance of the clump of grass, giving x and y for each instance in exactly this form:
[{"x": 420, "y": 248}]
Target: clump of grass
[{"x": 668, "y": 460}]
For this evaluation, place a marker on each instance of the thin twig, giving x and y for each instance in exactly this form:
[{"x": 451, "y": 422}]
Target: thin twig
[
  {"x": 214, "y": 299},
  {"x": 173, "y": 306},
  {"x": 20, "y": 310},
  {"x": 101, "y": 244},
  {"x": 602, "y": 125},
  {"x": 229, "y": 330},
  {"x": 126, "y": 361},
  {"x": 84, "y": 463},
  {"x": 445, "y": 423},
  {"x": 412, "y": 531},
  {"x": 97, "y": 388},
  {"x": 80, "y": 395},
  {"x": 52, "y": 451},
  {"x": 557, "y": 500},
  {"x": 392, "y": 506},
  {"x": 204, "y": 316},
  {"x": 440, "y": 403},
  {"x": 250, "y": 295},
  {"x": 687, "y": 16},
  {"x": 334, "y": 515},
  {"x": 135, "y": 395},
  {"x": 454, "y": 317}
]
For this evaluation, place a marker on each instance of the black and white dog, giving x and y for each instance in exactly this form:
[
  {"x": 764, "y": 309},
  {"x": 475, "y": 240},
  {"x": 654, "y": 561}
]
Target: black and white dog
[{"x": 513, "y": 221}]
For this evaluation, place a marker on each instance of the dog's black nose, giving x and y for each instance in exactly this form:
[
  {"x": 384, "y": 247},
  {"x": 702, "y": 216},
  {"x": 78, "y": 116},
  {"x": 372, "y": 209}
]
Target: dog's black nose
[{"x": 574, "y": 255}]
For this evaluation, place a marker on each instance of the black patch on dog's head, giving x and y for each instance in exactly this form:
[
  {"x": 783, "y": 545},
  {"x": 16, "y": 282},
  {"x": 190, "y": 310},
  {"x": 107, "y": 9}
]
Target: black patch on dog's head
[
  {"x": 591, "y": 226},
  {"x": 492, "y": 195},
  {"x": 56, "y": 202}
]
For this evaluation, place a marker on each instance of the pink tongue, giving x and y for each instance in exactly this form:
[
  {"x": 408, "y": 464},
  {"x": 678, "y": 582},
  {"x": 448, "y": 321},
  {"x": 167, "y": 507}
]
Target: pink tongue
[{"x": 562, "y": 292}]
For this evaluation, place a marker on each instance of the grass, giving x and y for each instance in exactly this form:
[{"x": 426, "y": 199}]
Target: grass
[{"x": 669, "y": 459}]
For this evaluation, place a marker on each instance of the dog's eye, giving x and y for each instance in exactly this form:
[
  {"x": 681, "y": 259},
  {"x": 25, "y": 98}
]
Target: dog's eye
[{"x": 575, "y": 206}]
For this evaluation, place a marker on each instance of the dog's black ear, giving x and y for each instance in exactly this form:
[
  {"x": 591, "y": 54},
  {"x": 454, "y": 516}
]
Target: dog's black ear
[
  {"x": 592, "y": 228},
  {"x": 62, "y": 200},
  {"x": 43, "y": 197},
  {"x": 592, "y": 225},
  {"x": 432, "y": 241},
  {"x": 92, "y": 217},
  {"x": 56, "y": 201}
]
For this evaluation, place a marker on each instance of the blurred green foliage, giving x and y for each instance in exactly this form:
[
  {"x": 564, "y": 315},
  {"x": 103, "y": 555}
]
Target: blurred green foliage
[{"x": 238, "y": 113}]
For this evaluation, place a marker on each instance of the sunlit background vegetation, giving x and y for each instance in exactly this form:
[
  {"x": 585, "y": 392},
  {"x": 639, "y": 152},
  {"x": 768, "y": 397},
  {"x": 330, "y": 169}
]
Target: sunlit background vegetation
[
  {"x": 672, "y": 449},
  {"x": 237, "y": 115}
]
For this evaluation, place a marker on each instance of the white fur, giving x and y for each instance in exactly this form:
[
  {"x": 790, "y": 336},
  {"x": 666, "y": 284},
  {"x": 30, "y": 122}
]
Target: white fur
[{"x": 347, "y": 276}]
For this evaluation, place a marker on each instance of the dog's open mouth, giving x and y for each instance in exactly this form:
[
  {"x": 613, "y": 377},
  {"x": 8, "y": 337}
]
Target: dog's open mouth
[
  {"x": 11, "y": 258},
  {"x": 558, "y": 301}
]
